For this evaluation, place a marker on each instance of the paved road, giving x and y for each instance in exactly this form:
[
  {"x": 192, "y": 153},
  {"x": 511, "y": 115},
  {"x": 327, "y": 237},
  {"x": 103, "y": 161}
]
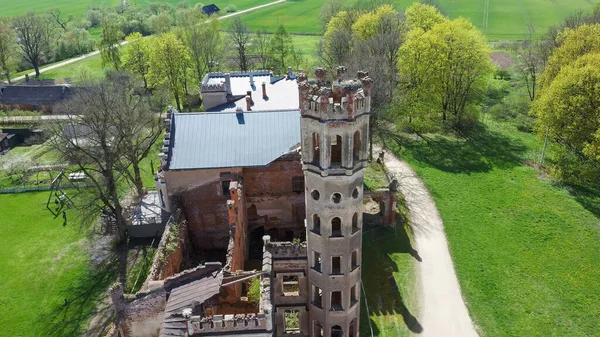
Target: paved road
[
  {"x": 442, "y": 311},
  {"x": 96, "y": 52}
]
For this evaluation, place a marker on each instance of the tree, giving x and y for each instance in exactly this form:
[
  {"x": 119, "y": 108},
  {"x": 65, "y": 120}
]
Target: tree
[
  {"x": 56, "y": 15},
  {"x": 110, "y": 43},
  {"x": 336, "y": 46},
  {"x": 160, "y": 23},
  {"x": 423, "y": 16},
  {"x": 568, "y": 109},
  {"x": 444, "y": 67},
  {"x": 136, "y": 57},
  {"x": 261, "y": 48},
  {"x": 330, "y": 9},
  {"x": 574, "y": 43},
  {"x": 168, "y": 64},
  {"x": 202, "y": 39},
  {"x": 9, "y": 56},
  {"x": 240, "y": 38},
  {"x": 281, "y": 42},
  {"x": 34, "y": 33},
  {"x": 529, "y": 65}
]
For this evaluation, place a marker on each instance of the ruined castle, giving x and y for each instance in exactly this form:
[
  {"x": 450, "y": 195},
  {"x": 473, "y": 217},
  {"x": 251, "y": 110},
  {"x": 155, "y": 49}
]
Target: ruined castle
[{"x": 265, "y": 195}]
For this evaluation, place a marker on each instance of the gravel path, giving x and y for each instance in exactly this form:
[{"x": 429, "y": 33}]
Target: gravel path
[{"x": 442, "y": 311}]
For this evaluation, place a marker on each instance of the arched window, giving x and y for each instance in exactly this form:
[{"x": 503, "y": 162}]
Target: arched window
[
  {"x": 355, "y": 227},
  {"x": 357, "y": 147},
  {"x": 336, "y": 227},
  {"x": 316, "y": 153},
  {"x": 336, "y": 151},
  {"x": 316, "y": 224},
  {"x": 352, "y": 328},
  {"x": 336, "y": 331}
]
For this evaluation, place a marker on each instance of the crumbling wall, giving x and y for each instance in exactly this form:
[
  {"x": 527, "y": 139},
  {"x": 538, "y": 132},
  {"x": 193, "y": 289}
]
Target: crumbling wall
[
  {"x": 387, "y": 204},
  {"x": 171, "y": 250},
  {"x": 140, "y": 316}
]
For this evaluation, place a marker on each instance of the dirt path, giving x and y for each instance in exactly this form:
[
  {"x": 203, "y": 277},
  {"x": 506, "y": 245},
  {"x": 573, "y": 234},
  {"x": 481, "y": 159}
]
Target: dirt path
[
  {"x": 442, "y": 311},
  {"x": 96, "y": 52}
]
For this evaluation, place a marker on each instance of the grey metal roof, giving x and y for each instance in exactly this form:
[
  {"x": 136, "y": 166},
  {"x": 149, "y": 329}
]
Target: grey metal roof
[
  {"x": 35, "y": 95},
  {"x": 216, "y": 140}
]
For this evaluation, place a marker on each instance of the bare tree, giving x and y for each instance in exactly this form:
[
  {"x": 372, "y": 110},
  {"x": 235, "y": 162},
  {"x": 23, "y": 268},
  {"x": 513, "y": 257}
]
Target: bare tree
[
  {"x": 261, "y": 48},
  {"x": 203, "y": 39},
  {"x": 240, "y": 38},
  {"x": 34, "y": 34},
  {"x": 59, "y": 19},
  {"x": 529, "y": 65}
]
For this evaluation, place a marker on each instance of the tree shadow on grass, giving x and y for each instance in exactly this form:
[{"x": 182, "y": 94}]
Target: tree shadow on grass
[
  {"x": 587, "y": 195},
  {"x": 82, "y": 298},
  {"x": 479, "y": 150},
  {"x": 383, "y": 295}
]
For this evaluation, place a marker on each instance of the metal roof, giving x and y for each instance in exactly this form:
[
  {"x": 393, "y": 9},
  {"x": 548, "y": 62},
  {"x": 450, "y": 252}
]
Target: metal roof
[
  {"x": 218, "y": 140},
  {"x": 35, "y": 95}
]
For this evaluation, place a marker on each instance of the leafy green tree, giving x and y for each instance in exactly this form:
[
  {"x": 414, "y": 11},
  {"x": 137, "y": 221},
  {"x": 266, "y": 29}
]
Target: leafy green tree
[
  {"x": 9, "y": 49},
  {"x": 34, "y": 33},
  {"x": 168, "y": 65},
  {"x": 136, "y": 57},
  {"x": 574, "y": 43},
  {"x": 336, "y": 46},
  {"x": 160, "y": 23},
  {"x": 423, "y": 16},
  {"x": 110, "y": 47},
  {"x": 281, "y": 43},
  {"x": 202, "y": 39},
  {"x": 368, "y": 24},
  {"x": 442, "y": 70}
]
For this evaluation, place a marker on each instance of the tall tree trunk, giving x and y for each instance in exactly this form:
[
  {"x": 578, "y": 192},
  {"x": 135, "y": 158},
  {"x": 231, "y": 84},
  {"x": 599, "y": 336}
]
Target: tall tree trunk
[
  {"x": 137, "y": 179},
  {"x": 37, "y": 69}
]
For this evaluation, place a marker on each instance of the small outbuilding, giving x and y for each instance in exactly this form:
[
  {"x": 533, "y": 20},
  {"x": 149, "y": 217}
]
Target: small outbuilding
[
  {"x": 211, "y": 9},
  {"x": 31, "y": 98}
]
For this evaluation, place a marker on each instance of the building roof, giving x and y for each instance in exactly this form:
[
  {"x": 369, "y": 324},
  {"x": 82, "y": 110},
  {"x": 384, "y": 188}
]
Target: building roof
[
  {"x": 34, "y": 95},
  {"x": 282, "y": 92},
  {"x": 210, "y": 9},
  {"x": 196, "y": 291},
  {"x": 3, "y": 135},
  {"x": 218, "y": 140}
]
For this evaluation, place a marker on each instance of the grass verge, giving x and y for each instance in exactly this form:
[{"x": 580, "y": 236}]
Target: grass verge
[{"x": 526, "y": 252}]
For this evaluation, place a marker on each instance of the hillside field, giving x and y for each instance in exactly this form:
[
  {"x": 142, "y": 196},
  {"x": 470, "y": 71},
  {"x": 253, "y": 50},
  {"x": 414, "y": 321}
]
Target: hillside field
[
  {"x": 507, "y": 19},
  {"x": 79, "y": 7}
]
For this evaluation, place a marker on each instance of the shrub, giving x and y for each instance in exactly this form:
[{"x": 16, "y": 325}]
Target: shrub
[
  {"x": 254, "y": 290},
  {"x": 230, "y": 9}
]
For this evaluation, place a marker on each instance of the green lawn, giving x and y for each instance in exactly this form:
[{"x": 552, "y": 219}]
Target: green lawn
[
  {"x": 527, "y": 253},
  {"x": 42, "y": 263},
  {"x": 506, "y": 19},
  {"x": 388, "y": 278},
  {"x": 79, "y": 7}
]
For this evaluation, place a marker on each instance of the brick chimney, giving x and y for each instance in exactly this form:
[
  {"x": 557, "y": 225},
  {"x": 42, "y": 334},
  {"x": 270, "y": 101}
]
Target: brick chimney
[
  {"x": 289, "y": 73},
  {"x": 248, "y": 103},
  {"x": 264, "y": 90},
  {"x": 249, "y": 93},
  {"x": 228, "y": 83}
]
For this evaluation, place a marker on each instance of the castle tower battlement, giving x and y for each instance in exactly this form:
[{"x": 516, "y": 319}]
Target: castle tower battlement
[{"x": 335, "y": 126}]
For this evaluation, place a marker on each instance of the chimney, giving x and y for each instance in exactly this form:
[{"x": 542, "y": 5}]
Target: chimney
[
  {"x": 251, "y": 75},
  {"x": 248, "y": 103},
  {"x": 239, "y": 110},
  {"x": 289, "y": 74},
  {"x": 264, "y": 90},
  {"x": 249, "y": 93},
  {"x": 228, "y": 83}
]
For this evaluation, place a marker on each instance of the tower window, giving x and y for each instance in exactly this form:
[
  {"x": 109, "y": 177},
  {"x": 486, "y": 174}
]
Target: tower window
[
  {"x": 336, "y": 151},
  {"x": 355, "y": 259},
  {"x": 225, "y": 188},
  {"x": 336, "y": 331},
  {"x": 291, "y": 320},
  {"x": 317, "y": 297},
  {"x": 336, "y": 301},
  {"x": 355, "y": 193},
  {"x": 297, "y": 184},
  {"x": 336, "y": 227},
  {"x": 290, "y": 286},
  {"x": 315, "y": 195},
  {"x": 336, "y": 265},
  {"x": 316, "y": 224},
  {"x": 355, "y": 227},
  {"x": 316, "y": 153},
  {"x": 317, "y": 261},
  {"x": 353, "y": 296},
  {"x": 357, "y": 147},
  {"x": 317, "y": 329},
  {"x": 336, "y": 198}
]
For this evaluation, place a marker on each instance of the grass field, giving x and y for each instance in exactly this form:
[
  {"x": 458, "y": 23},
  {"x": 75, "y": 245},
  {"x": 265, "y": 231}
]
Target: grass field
[
  {"x": 388, "y": 278},
  {"x": 527, "y": 253},
  {"x": 42, "y": 263},
  {"x": 507, "y": 19},
  {"x": 79, "y": 7}
]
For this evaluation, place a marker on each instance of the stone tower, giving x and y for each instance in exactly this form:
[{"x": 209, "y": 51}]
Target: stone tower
[{"x": 335, "y": 125}]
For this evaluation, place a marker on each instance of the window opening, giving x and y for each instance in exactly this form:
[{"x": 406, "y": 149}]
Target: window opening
[
  {"x": 290, "y": 286},
  {"x": 353, "y": 296},
  {"x": 357, "y": 147},
  {"x": 355, "y": 193},
  {"x": 298, "y": 184},
  {"x": 291, "y": 320},
  {"x": 315, "y": 194},
  {"x": 318, "y": 329},
  {"x": 336, "y": 301},
  {"x": 355, "y": 259},
  {"x": 336, "y": 265},
  {"x": 336, "y": 198},
  {"x": 355, "y": 227},
  {"x": 336, "y": 151},
  {"x": 317, "y": 261},
  {"x": 336, "y": 227},
  {"x": 315, "y": 148},
  {"x": 316, "y": 224},
  {"x": 317, "y": 297},
  {"x": 225, "y": 188}
]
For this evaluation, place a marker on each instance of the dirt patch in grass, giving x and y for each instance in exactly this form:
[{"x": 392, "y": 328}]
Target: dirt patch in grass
[{"x": 502, "y": 60}]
